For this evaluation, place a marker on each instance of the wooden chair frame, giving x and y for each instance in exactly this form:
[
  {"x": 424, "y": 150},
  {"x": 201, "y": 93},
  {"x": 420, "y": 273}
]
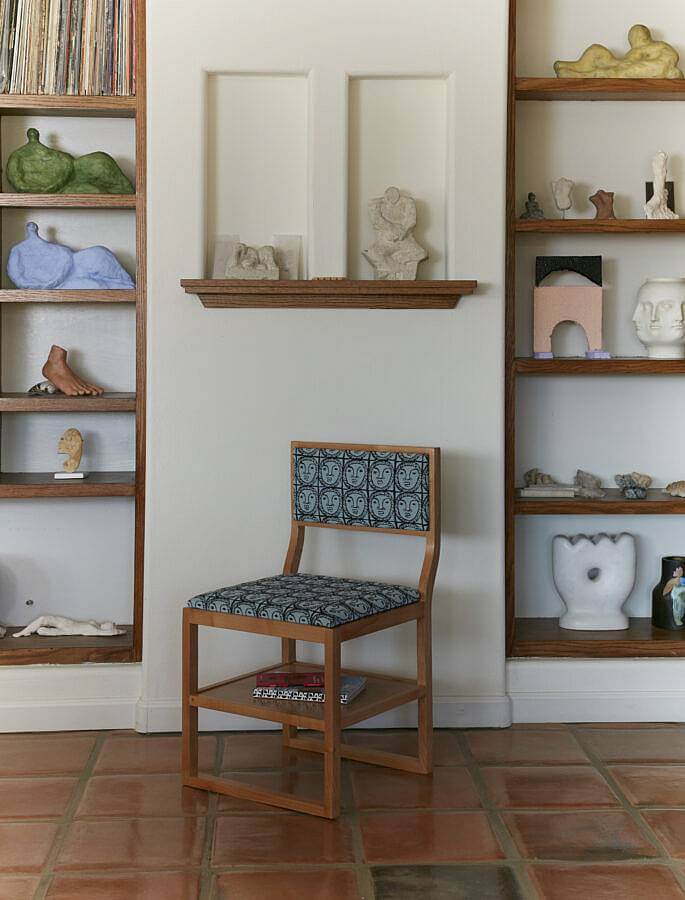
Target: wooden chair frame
[{"x": 382, "y": 692}]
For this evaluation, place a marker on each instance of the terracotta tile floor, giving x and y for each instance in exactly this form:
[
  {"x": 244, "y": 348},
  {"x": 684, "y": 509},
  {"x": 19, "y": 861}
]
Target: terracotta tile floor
[{"x": 593, "y": 812}]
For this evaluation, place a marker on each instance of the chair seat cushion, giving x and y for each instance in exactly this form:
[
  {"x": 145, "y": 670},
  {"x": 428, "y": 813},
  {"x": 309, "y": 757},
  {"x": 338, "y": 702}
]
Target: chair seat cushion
[{"x": 319, "y": 600}]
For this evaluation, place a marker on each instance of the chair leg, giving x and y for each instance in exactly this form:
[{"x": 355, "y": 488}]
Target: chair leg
[
  {"x": 288, "y": 655},
  {"x": 424, "y": 670},
  {"x": 189, "y": 754},
  {"x": 332, "y": 719}
]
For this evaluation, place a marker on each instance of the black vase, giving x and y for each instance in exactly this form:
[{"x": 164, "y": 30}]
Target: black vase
[{"x": 668, "y": 597}]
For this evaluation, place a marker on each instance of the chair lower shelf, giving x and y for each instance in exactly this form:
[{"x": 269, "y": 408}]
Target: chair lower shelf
[
  {"x": 35, "y": 649},
  {"x": 544, "y": 638},
  {"x": 235, "y": 696}
]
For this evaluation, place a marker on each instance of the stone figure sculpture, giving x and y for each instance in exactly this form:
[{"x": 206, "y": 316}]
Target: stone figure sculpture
[
  {"x": 71, "y": 443},
  {"x": 588, "y": 486},
  {"x": 395, "y": 254},
  {"x": 646, "y": 58},
  {"x": 252, "y": 262},
  {"x": 561, "y": 191},
  {"x": 634, "y": 485},
  {"x": 37, "y": 169},
  {"x": 36, "y": 264},
  {"x": 675, "y": 489},
  {"x": 61, "y": 378},
  {"x": 657, "y": 207},
  {"x": 54, "y": 626},
  {"x": 603, "y": 201},
  {"x": 533, "y": 209}
]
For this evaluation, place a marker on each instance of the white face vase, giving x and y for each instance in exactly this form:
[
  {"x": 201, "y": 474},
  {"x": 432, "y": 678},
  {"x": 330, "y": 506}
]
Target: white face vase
[{"x": 660, "y": 317}]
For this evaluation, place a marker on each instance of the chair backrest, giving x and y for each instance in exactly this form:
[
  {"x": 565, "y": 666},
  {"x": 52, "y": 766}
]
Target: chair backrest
[{"x": 379, "y": 488}]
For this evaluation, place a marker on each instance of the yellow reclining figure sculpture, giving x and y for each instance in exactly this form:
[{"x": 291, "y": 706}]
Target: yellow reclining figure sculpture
[{"x": 646, "y": 59}]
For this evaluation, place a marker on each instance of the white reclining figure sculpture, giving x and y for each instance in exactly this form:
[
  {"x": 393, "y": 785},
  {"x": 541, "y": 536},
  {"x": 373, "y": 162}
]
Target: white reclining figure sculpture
[{"x": 51, "y": 626}]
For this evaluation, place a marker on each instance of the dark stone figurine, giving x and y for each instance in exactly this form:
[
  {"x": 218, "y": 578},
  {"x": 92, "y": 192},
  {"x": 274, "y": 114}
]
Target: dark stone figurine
[
  {"x": 668, "y": 597},
  {"x": 37, "y": 169},
  {"x": 533, "y": 209}
]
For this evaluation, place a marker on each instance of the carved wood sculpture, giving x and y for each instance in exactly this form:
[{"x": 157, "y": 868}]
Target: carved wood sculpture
[{"x": 71, "y": 443}]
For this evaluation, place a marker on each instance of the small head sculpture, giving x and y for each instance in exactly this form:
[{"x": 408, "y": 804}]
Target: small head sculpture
[
  {"x": 639, "y": 36},
  {"x": 660, "y": 326},
  {"x": 392, "y": 195},
  {"x": 71, "y": 443}
]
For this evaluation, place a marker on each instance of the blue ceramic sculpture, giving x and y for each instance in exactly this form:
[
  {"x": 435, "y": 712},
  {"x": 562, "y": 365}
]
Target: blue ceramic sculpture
[{"x": 35, "y": 264}]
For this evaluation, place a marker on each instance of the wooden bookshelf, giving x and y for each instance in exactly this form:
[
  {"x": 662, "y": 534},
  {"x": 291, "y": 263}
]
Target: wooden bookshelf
[
  {"x": 341, "y": 293},
  {"x": 129, "y": 484},
  {"x": 543, "y": 637}
]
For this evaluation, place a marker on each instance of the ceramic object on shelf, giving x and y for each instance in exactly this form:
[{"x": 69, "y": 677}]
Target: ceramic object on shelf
[
  {"x": 37, "y": 169},
  {"x": 603, "y": 201},
  {"x": 634, "y": 485},
  {"x": 71, "y": 444},
  {"x": 659, "y": 317},
  {"x": 55, "y": 626},
  {"x": 533, "y": 209},
  {"x": 561, "y": 191},
  {"x": 657, "y": 207},
  {"x": 395, "y": 253},
  {"x": 675, "y": 489},
  {"x": 36, "y": 264},
  {"x": 646, "y": 58},
  {"x": 588, "y": 486},
  {"x": 252, "y": 262},
  {"x": 594, "y": 575},
  {"x": 668, "y": 597}
]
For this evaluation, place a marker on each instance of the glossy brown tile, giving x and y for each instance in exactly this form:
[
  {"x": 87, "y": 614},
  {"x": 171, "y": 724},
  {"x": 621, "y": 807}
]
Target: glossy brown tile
[
  {"x": 270, "y": 840},
  {"x": 35, "y": 798},
  {"x": 446, "y": 749},
  {"x": 638, "y": 745},
  {"x": 651, "y": 785},
  {"x": 264, "y": 750},
  {"x": 132, "y": 844},
  {"x": 61, "y": 754},
  {"x": 141, "y": 886},
  {"x": 447, "y": 788},
  {"x": 24, "y": 846},
  {"x": 323, "y": 884},
  {"x": 531, "y": 747},
  {"x": 149, "y": 754},
  {"x": 135, "y": 796},
  {"x": 597, "y": 836},
  {"x": 426, "y": 837},
  {"x": 438, "y": 882},
  {"x": 552, "y": 787},
  {"x": 597, "y": 882},
  {"x": 18, "y": 888},
  {"x": 302, "y": 784},
  {"x": 669, "y": 827}
]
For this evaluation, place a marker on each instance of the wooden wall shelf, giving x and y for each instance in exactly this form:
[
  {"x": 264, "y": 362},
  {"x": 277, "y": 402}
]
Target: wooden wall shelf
[
  {"x": 105, "y": 296},
  {"x": 544, "y": 638},
  {"x": 656, "y": 503},
  {"x": 66, "y": 650},
  {"x": 599, "y": 89},
  {"x": 620, "y": 365},
  {"x": 327, "y": 294},
  {"x": 53, "y": 105},
  {"x": 67, "y": 201},
  {"x": 25, "y": 485},
  {"x": 54, "y": 403},
  {"x": 600, "y": 226}
]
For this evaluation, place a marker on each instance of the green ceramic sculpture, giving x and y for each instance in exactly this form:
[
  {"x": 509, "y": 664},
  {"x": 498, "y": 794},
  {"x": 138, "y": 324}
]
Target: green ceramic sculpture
[{"x": 37, "y": 169}]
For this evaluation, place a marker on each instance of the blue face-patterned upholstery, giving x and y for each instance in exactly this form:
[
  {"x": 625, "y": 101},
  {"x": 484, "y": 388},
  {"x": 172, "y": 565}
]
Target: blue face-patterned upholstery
[
  {"x": 307, "y": 599},
  {"x": 371, "y": 488}
]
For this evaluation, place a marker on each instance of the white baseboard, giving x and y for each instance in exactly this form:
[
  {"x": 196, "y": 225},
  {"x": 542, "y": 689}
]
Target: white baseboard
[
  {"x": 68, "y": 715},
  {"x": 448, "y": 712},
  {"x": 598, "y": 706}
]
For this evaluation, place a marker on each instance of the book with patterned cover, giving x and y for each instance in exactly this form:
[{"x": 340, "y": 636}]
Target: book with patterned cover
[{"x": 350, "y": 687}]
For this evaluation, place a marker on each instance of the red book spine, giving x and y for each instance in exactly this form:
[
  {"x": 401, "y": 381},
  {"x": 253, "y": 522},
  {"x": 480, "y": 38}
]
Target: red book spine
[{"x": 290, "y": 679}]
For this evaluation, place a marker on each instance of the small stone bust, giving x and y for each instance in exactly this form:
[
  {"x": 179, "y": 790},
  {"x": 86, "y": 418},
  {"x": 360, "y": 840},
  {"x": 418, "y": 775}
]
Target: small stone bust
[{"x": 533, "y": 209}]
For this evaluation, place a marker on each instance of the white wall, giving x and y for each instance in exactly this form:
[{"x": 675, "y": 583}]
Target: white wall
[{"x": 230, "y": 389}]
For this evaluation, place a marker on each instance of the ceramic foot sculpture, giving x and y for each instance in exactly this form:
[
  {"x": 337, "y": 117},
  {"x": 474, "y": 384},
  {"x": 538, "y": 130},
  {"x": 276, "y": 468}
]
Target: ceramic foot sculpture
[
  {"x": 35, "y": 264},
  {"x": 62, "y": 378},
  {"x": 37, "y": 169},
  {"x": 50, "y": 626},
  {"x": 646, "y": 58},
  {"x": 395, "y": 254},
  {"x": 659, "y": 317},
  {"x": 594, "y": 576},
  {"x": 657, "y": 207}
]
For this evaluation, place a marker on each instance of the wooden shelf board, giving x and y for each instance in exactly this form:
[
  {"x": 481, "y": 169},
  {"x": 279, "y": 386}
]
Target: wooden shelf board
[
  {"x": 599, "y": 89},
  {"x": 638, "y": 365},
  {"x": 599, "y": 226},
  {"x": 327, "y": 294},
  {"x": 36, "y": 649},
  {"x": 26, "y": 403},
  {"x": 67, "y": 105},
  {"x": 104, "y": 296},
  {"x": 22, "y": 485},
  {"x": 381, "y": 693},
  {"x": 66, "y": 201},
  {"x": 544, "y": 638},
  {"x": 614, "y": 504}
]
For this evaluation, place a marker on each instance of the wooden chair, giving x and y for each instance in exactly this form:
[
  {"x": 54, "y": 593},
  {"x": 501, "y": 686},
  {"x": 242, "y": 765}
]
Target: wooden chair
[{"x": 373, "y": 488}]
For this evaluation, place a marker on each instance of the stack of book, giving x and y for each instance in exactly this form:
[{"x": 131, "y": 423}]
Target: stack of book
[
  {"x": 68, "y": 47},
  {"x": 307, "y": 687}
]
